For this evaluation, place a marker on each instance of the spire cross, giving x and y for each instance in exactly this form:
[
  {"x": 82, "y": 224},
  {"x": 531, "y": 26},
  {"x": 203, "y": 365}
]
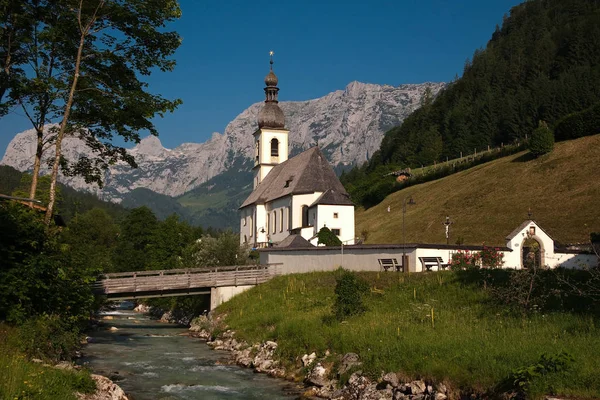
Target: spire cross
[{"x": 271, "y": 61}]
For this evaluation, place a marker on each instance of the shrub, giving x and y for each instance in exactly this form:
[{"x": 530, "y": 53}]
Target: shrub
[
  {"x": 491, "y": 257},
  {"x": 349, "y": 292},
  {"x": 542, "y": 140},
  {"x": 48, "y": 338},
  {"x": 327, "y": 237},
  {"x": 464, "y": 260}
]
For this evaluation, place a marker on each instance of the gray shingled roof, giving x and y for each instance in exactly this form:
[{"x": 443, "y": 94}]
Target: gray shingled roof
[
  {"x": 294, "y": 241},
  {"x": 333, "y": 198},
  {"x": 308, "y": 172},
  {"x": 522, "y": 226}
]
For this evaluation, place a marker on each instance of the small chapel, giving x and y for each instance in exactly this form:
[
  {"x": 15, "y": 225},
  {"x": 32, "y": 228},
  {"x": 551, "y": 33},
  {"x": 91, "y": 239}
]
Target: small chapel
[{"x": 292, "y": 198}]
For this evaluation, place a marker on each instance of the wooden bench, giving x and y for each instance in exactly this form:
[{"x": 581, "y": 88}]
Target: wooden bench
[
  {"x": 387, "y": 263},
  {"x": 429, "y": 262}
]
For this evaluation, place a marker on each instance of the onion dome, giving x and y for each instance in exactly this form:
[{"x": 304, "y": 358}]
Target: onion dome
[{"x": 271, "y": 115}]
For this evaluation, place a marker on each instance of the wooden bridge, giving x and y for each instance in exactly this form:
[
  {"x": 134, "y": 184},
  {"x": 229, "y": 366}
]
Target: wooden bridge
[{"x": 182, "y": 282}]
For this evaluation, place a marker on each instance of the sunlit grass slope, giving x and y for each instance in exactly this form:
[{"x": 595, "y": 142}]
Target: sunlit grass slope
[
  {"x": 469, "y": 343},
  {"x": 488, "y": 201},
  {"x": 23, "y": 379}
]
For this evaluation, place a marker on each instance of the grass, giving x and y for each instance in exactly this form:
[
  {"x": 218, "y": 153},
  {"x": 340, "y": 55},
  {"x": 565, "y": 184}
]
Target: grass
[
  {"x": 468, "y": 343},
  {"x": 23, "y": 379},
  {"x": 488, "y": 201}
]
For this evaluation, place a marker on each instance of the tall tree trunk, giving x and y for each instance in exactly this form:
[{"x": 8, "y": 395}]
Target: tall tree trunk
[
  {"x": 39, "y": 150},
  {"x": 61, "y": 132}
]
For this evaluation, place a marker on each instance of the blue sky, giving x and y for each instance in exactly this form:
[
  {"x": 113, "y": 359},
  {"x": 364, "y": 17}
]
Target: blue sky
[{"x": 320, "y": 46}]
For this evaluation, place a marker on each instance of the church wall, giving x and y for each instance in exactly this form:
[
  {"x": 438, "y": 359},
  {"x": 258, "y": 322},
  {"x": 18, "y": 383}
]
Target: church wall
[
  {"x": 246, "y": 225},
  {"x": 281, "y": 209},
  {"x": 514, "y": 258},
  {"x": 260, "y": 224},
  {"x": 337, "y": 217},
  {"x": 265, "y": 146},
  {"x": 298, "y": 201}
]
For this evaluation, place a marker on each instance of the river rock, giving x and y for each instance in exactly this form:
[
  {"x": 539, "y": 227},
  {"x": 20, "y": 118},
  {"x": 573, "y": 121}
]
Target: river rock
[
  {"x": 308, "y": 359},
  {"x": 391, "y": 379},
  {"x": 113, "y": 329},
  {"x": 142, "y": 308},
  {"x": 440, "y": 396},
  {"x": 105, "y": 390},
  {"x": 318, "y": 376},
  {"x": 348, "y": 361},
  {"x": 166, "y": 317},
  {"x": 417, "y": 387},
  {"x": 108, "y": 317}
]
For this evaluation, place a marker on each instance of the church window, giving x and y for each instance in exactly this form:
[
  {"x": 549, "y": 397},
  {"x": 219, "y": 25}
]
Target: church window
[
  {"x": 281, "y": 220},
  {"x": 335, "y": 215},
  {"x": 274, "y": 221},
  {"x": 532, "y": 230},
  {"x": 304, "y": 215},
  {"x": 336, "y": 232},
  {"x": 245, "y": 239},
  {"x": 274, "y": 147},
  {"x": 244, "y": 220}
]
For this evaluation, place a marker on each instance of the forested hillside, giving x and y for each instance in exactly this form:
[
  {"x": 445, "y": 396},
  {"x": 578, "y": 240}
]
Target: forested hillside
[{"x": 542, "y": 64}]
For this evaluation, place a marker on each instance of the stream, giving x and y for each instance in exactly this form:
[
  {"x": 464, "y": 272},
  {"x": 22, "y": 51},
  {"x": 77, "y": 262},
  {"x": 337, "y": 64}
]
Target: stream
[{"x": 150, "y": 360}]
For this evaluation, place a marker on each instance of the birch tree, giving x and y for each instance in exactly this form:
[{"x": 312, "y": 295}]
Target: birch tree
[{"x": 87, "y": 59}]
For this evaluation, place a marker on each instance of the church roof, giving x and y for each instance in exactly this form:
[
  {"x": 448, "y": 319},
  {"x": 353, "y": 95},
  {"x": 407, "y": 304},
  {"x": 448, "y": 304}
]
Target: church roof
[
  {"x": 294, "y": 241},
  {"x": 333, "y": 198},
  {"x": 308, "y": 172}
]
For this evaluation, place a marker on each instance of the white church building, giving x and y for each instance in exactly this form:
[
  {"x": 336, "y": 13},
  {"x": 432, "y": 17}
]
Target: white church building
[{"x": 293, "y": 198}]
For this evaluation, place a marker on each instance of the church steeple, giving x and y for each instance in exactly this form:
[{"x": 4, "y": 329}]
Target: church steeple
[
  {"x": 271, "y": 115},
  {"x": 271, "y": 138}
]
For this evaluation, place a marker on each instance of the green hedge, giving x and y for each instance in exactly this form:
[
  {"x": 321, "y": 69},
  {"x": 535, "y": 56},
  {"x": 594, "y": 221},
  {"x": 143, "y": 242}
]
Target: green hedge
[{"x": 579, "y": 124}]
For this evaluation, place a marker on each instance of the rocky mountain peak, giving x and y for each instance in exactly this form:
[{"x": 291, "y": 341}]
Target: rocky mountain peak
[{"x": 349, "y": 125}]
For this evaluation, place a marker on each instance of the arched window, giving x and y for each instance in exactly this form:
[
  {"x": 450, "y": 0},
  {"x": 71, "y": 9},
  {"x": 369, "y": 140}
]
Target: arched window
[
  {"x": 281, "y": 220},
  {"x": 274, "y": 221},
  {"x": 274, "y": 147},
  {"x": 245, "y": 239},
  {"x": 304, "y": 215}
]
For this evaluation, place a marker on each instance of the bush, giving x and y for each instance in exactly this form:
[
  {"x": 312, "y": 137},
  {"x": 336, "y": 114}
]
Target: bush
[
  {"x": 48, "y": 338},
  {"x": 349, "y": 292},
  {"x": 327, "y": 237},
  {"x": 464, "y": 260},
  {"x": 542, "y": 140}
]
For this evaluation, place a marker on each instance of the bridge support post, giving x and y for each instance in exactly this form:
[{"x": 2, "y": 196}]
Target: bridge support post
[{"x": 219, "y": 295}]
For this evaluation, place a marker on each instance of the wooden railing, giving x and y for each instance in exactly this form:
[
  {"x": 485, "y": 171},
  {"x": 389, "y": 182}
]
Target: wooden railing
[{"x": 181, "y": 281}]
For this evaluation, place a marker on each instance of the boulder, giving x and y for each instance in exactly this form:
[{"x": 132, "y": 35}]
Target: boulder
[
  {"x": 318, "y": 376},
  {"x": 308, "y": 359},
  {"x": 417, "y": 387},
  {"x": 348, "y": 361},
  {"x": 105, "y": 390},
  {"x": 142, "y": 308},
  {"x": 391, "y": 379}
]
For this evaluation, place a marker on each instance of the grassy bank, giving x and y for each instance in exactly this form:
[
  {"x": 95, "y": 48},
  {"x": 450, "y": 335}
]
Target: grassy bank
[
  {"x": 432, "y": 326},
  {"x": 488, "y": 201},
  {"x": 23, "y": 379}
]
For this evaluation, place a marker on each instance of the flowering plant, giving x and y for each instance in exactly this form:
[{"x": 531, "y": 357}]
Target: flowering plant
[
  {"x": 462, "y": 260},
  {"x": 491, "y": 257}
]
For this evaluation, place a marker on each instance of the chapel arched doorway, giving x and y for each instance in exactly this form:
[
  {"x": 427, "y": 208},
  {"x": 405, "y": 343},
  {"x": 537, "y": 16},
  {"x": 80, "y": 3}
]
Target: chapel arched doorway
[{"x": 532, "y": 251}]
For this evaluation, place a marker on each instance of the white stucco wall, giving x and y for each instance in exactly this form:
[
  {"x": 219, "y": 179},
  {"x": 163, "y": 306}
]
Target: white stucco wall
[
  {"x": 298, "y": 201},
  {"x": 278, "y": 216},
  {"x": 344, "y": 221},
  {"x": 331, "y": 258}
]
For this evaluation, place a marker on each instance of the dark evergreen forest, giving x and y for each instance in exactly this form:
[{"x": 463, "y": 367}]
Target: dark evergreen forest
[{"x": 541, "y": 65}]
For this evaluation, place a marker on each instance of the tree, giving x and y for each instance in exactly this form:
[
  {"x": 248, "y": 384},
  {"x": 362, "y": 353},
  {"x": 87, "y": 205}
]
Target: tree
[
  {"x": 349, "y": 292},
  {"x": 87, "y": 59},
  {"x": 138, "y": 230},
  {"x": 326, "y": 237},
  {"x": 211, "y": 251},
  {"x": 542, "y": 140}
]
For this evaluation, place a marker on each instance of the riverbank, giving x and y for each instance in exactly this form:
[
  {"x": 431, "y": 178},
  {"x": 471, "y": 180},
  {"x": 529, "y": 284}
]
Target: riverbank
[{"x": 429, "y": 335}]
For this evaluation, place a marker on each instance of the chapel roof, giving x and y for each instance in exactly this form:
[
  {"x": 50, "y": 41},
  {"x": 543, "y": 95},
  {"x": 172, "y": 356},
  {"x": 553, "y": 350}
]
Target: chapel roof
[
  {"x": 308, "y": 172},
  {"x": 293, "y": 242},
  {"x": 523, "y": 226}
]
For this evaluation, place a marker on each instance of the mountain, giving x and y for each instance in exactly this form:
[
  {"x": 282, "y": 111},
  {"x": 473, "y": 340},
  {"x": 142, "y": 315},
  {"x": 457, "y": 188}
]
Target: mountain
[
  {"x": 543, "y": 64},
  {"x": 348, "y": 124}
]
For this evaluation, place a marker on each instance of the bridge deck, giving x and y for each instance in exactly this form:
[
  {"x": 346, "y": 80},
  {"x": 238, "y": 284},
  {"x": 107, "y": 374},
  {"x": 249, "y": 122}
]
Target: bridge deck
[{"x": 173, "y": 282}]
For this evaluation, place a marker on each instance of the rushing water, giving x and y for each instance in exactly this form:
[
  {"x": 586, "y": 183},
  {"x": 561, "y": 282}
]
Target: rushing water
[{"x": 152, "y": 360}]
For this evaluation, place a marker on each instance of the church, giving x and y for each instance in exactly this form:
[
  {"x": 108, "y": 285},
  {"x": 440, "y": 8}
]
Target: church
[{"x": 292, "y": 198}]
